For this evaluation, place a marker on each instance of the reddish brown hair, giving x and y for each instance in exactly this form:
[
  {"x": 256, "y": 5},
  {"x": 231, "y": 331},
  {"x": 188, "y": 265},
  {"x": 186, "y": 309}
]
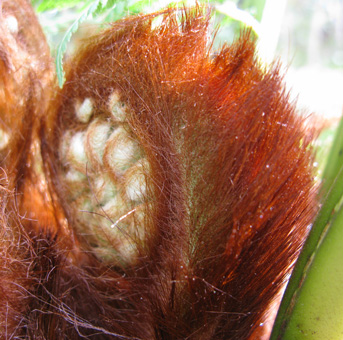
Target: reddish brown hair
[{"x": 222, "y": 156}]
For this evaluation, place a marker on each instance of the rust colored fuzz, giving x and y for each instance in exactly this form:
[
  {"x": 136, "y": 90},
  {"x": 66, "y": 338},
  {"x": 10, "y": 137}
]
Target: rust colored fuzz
[{"x": 163, "y": 193}]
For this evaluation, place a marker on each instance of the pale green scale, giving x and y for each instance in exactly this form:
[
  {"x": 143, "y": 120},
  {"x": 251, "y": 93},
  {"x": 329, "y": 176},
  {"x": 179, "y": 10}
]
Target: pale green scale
[
  {"x": 11, "y": 23},
  {"x": 114, "y": 207},
  {"x": 123, "y": 151},
  {"x": 110, "y": 205},
  {"x": 97, "y": 135},
  {"x": 76, "y": 153},
  {"x": 117, "y": 108},
  {"x": 4, "y": 139},
  {"x": 84, "y": 110},
  {"x": 74, "y": 176},
  {"x": 135, "y": 182},
  {"x": 104, "y": 189}
]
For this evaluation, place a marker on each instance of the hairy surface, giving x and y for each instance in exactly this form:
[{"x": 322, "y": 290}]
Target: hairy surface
[{"x": 163, "y": 193}]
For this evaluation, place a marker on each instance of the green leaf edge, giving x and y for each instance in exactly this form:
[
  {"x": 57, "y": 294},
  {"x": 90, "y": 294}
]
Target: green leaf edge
[
  {"x": 62, "y": 47},
  {"x": 332, "y": 193},
  {"x": 318, "y": 311},
  {"x": 60, "y": 4},
  {"x": 232, "y": 11}
]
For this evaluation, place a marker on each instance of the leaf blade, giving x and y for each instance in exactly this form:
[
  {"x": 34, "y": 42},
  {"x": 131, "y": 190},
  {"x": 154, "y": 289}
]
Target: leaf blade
[
  {"x": 67, "y": 36},
  {"x": 332, "y": 194}
]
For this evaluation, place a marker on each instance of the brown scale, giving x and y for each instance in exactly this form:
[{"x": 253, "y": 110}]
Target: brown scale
[{"x": 188, "y": 234}]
